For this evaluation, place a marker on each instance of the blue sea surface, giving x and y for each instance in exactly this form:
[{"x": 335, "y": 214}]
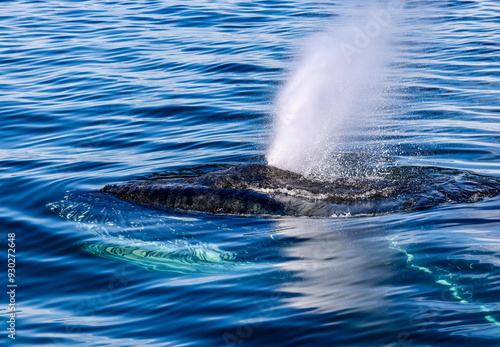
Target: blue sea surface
[{"x": 101, "y": 92}]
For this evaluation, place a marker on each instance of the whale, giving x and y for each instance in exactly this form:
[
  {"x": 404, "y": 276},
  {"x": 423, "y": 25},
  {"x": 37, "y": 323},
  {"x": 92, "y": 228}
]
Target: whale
[
  {"x": 260, "y": 189},
  {"x": 146, "y": 238},
  {"x": 177, "y": 256}
]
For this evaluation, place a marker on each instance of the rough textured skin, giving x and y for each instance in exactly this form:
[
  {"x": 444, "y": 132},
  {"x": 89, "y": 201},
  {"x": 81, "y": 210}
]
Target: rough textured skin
[{"x": 260, "y": 189}]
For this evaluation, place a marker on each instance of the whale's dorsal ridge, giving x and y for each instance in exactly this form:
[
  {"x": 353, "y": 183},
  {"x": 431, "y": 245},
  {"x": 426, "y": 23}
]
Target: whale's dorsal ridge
[{"x": 260, "y": 189}]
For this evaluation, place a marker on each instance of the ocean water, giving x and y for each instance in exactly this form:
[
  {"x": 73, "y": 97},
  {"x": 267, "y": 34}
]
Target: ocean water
[{"x": 102, "y": 92}]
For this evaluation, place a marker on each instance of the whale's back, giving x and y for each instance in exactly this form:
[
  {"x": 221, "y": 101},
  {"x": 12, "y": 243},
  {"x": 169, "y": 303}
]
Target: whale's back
[{"x": 260, "y": 189}]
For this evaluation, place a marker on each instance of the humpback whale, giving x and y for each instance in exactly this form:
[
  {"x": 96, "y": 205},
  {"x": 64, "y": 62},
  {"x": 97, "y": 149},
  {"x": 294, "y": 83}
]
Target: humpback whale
[
  {"x": 259, "y": 189},
  {"x": 144, "y": 237}
]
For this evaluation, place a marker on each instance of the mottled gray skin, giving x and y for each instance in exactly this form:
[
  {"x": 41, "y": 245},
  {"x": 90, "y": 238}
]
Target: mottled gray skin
[{"x": 260, "y": 189}]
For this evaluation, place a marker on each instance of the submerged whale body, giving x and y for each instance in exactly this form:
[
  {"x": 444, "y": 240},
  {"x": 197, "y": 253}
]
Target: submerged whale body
[{"x": 261, "y": 189}]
